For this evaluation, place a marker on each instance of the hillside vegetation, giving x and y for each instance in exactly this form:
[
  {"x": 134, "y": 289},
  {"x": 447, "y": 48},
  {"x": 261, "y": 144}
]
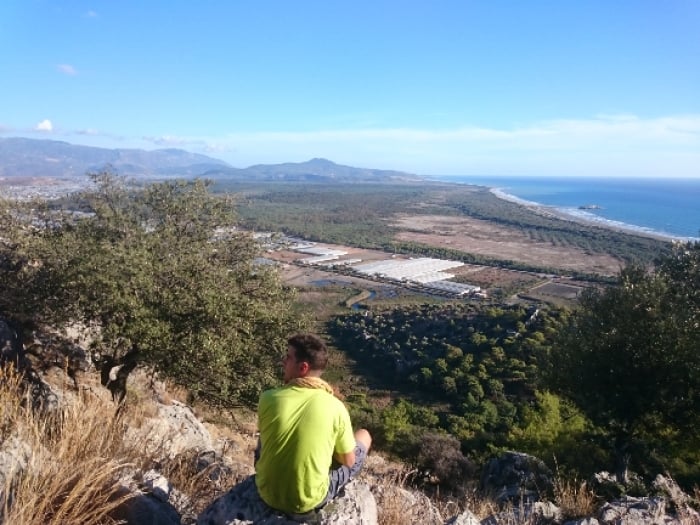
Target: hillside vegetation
[{"x": 158, "y": 273}]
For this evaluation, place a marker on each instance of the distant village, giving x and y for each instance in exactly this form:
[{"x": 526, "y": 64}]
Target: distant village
[{"x": 45, "y": 188}]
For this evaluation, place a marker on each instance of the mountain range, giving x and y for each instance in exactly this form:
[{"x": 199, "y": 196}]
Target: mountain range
[{"x": 29, "y": 158}]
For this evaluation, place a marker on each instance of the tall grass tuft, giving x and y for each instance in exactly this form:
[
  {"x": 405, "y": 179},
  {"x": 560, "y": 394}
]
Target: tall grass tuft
[
  {"x": 67, "y": 461},
  {"x": 574, "y": 498}
]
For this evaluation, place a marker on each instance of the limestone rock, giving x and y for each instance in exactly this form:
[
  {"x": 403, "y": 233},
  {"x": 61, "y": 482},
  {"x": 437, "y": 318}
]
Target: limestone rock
[
  {"x": 242, "y": 506},
  {"x": 145, "y": 509},
  {"x": 14, "y": 455},
  {"x": 516, "y": 477},
  {"x": 609, "y": 487},
  {"x": 671, "y": 489},
  {"x": 153, "y": 501},
  {"x": 636, "y": 511},
  {"x": 174, "y": 430},
  {"x": 537, "y": 512},
  {"x": 465, "y": 518}
]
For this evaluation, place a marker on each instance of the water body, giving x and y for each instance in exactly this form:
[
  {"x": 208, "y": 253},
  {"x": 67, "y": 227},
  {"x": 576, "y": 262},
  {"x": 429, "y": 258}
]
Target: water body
[
  {"x": 363, "y": 304},
  {"x": 669, "y": 207}
]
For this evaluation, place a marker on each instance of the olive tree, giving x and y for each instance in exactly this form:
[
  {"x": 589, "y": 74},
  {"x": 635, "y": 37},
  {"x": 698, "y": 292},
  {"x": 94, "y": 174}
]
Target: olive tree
[
  {"x": 629, "y": 359},
  {"x": 161, "y": 273}
]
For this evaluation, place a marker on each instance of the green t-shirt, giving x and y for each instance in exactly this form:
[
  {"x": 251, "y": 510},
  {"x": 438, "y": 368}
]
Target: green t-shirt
[{"x": 300, "y": 429}]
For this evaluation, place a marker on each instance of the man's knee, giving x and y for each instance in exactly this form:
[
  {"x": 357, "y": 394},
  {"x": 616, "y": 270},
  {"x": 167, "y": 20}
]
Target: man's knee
[{"x": 363, "y": 436}]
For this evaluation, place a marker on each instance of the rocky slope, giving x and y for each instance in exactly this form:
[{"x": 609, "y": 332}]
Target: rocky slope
[{"x": 164, "y": 462}]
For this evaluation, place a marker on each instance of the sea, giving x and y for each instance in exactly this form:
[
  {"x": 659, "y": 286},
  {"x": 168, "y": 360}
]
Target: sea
[{"x": 669, "y": 208}]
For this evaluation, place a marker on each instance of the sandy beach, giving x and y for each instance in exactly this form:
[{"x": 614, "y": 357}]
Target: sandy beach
[{"x": 586, "y": 217}]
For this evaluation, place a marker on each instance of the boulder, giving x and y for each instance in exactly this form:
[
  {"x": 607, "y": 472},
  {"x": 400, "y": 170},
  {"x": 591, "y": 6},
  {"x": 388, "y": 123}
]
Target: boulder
[
  {"x": 174, "y": 430},
  {"x": 668, "y": 487},
  {"x": 517, "y": 477},
  {"x": 645, "y": 511},
  {"x": 609, "y": 487},
  {"x": 537, "y": 512},
  {"x": 242, "y": 506},
  {"x": 631, "y": 510},
  {"x": 152, "y": 501},
  {"x": 465, "y": 518},
  {"x": 145, "y": 509}
]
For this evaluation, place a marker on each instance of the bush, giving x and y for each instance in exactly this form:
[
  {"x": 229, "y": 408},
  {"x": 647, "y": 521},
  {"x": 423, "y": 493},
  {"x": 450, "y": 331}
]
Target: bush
[{"x": 440, "y": 457}]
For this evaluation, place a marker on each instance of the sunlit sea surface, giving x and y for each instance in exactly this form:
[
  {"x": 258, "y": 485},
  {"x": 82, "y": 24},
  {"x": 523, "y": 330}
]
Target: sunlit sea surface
[{"x": 669, "y": 207}]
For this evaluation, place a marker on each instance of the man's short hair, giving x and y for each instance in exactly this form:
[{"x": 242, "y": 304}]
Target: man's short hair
[{"x": 310, "y": 348}]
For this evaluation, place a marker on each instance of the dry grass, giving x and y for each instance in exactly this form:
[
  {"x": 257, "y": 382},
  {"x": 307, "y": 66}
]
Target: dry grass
[
  {"x": 480, "y": 504},
  {"x": 67, "y": 461},
  {"x": 575, "y": 499},
  {"x": 201, "y": 485},
  {"x": 394, "y": 505},
  {"x": 397, "y": 502}
]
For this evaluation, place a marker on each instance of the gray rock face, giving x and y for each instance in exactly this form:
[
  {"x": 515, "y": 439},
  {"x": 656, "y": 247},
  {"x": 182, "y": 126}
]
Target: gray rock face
[
  {"x": 153, "y": 501},
  {"x": 174, "y": 430},
  {"x": 516, "y": 477},
  {"x": 538, "y": 512},
  {"x": 14, "y": 455},
  {"x": 242, "y": 506},
  {"x": 645, "y": 511},
  {"x": 671, "y": 489},
  {"x": 145, "y": 509},
  {"x": 465, "y": 518}
]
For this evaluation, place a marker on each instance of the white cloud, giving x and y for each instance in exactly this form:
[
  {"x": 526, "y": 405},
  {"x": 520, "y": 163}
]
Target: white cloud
[
  {"x": 171, "y": 140},
  {"x": 44, "y": 125},
  {"x": 88, "y": 131},
  {"x": 67, "y": 69},
  {"x": 543, "y": 134},
  {"x": 602, "y": 145}
]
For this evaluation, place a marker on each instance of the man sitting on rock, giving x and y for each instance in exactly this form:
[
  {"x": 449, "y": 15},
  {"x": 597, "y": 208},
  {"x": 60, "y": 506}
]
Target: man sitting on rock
[{"x": 303, "y": 427}]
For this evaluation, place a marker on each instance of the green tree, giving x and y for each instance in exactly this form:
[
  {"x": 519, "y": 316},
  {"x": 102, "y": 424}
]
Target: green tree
[
  {"x": 160, "y": 272},
  {"x": 629, "y": 358}
]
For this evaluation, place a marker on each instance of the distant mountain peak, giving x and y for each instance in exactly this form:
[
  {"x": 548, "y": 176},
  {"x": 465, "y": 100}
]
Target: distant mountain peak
[
  {"x": 23, "y": 157},
  {"x": 316, "y": 170}
]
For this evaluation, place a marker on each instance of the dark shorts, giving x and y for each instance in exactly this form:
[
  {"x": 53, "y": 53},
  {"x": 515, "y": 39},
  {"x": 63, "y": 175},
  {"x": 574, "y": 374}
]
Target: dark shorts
[{"x": 339, "y": 477}]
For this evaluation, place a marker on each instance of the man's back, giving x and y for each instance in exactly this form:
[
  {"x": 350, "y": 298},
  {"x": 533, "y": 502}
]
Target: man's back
[{"x": 300, "y": 430}]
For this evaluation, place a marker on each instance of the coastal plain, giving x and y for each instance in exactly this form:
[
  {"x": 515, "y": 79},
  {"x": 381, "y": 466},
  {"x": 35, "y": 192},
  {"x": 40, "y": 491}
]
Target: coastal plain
[
  {"x": 500, "y": 241},
  {"x": 508, "y": 249}
]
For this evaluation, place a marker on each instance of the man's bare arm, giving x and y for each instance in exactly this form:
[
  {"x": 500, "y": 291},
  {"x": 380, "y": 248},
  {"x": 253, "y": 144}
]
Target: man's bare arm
[{"x": 347, "y": 459}]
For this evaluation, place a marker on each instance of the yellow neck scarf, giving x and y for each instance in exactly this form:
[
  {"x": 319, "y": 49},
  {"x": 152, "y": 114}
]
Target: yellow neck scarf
[{"x": 311, "y": 382}]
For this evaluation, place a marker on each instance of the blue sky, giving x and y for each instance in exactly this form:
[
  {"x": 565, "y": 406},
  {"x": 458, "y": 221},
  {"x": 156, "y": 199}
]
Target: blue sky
[{"x": 490, "y": 87}]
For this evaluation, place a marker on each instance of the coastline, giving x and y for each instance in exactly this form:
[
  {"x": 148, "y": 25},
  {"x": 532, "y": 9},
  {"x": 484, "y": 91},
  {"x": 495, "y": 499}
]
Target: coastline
[{"x": 588, "y": 218}]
